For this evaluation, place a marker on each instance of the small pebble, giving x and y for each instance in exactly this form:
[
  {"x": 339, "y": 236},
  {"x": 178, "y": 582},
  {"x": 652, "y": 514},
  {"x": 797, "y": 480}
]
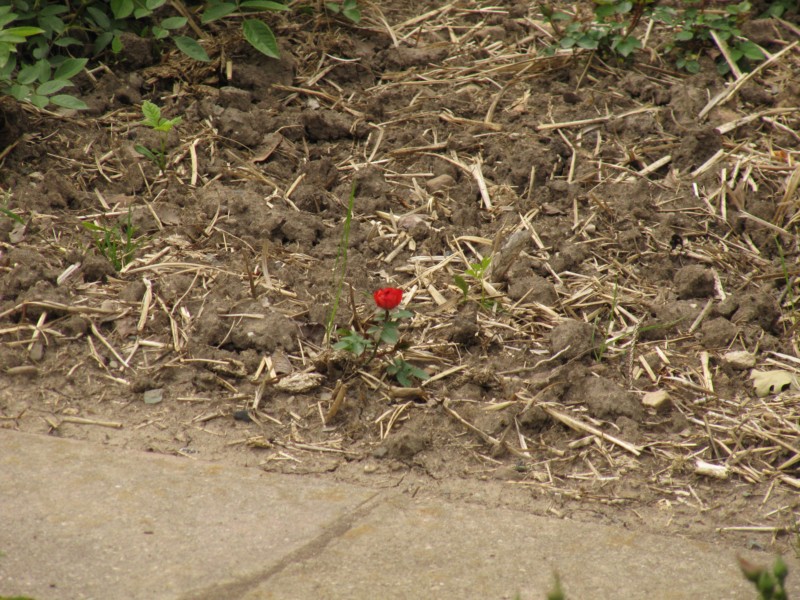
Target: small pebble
[
  {"x": 740, "y": 359},
  {"x": 657, "y": 400},
  {"x": 440, "y": 183}
]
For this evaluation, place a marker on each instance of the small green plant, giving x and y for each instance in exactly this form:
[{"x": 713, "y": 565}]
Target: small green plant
[
  {"x": 477, "y": 272},
  {"x": 26, "y": 71},
  {"x": 44, "y": 44},
  {"x": 385, "y": 329},
  {"x": 609, "y": 32},
  {"x": 405, "y": 372},
  {"x": 695, "y": 29},
  {"x": 770, "y": 584},
  {"x": 353, "y": 342},
  {"x": 347, "y": 8},
  {"x": 691, "y": 29},
  {"x": 12, "y": 215},
  {"x": 154, "y": 120},
  {"x": 255, "y": 31},
  {"x": 557, "y": 593},
  {"x": 116, "y": 244},
  {"x": 340, "y": 268}
]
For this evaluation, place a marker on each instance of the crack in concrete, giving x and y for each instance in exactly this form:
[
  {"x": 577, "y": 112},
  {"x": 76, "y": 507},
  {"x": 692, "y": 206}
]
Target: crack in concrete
[{"x": 238, "y": 587}]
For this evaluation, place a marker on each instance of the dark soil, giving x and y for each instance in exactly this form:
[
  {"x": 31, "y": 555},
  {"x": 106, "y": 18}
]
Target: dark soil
[{"x": 608, "y": 281}]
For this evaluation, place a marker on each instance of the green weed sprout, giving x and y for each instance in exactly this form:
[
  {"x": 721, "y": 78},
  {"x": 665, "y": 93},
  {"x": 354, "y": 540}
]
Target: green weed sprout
[
  {"x": 340, "y": 268},
  {"x": 116, "y": 244},
  {"x": 770, "y": 584},
  {"x": 347, "y": 8},
  {"x": 691, "y": 29},
  {"x": 154, "y": 120},
  {"x": 476, "y": 271}
]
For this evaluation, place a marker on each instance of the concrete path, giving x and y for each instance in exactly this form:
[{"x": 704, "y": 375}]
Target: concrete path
[{"x": 80, "y": 521}]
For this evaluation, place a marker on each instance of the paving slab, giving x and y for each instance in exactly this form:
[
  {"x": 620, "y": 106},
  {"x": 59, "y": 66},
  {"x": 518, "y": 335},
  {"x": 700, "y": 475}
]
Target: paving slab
[
  {"x": 83, "y": 521},
  {"x": 408, "y": 549}
]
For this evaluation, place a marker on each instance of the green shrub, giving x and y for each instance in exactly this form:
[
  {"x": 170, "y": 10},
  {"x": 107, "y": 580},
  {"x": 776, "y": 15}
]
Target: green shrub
[
  {"x": 44, "y": 44},
  {"x": 690, "y": 27}
]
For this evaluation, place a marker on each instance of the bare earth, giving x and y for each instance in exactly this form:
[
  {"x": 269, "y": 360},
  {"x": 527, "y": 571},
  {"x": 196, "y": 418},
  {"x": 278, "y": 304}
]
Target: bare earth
[{"x": 639, "y": 228}]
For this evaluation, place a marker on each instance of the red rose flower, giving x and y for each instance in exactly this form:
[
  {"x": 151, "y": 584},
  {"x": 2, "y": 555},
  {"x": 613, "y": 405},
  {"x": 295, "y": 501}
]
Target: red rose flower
[{"x": 388, "y": 298}]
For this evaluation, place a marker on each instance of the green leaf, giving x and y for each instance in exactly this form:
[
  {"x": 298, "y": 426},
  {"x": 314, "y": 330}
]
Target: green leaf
[
  {"x": 20, "y": 92},
  {"x": 144, "y": 151},
  {"x": 116, "y": 44},
  {"x": 627, "y": 45},
  {"x": 5, "y": 54},
  {"x": 64, "y": 42},
  {"x": 191, "y": 48},
  {"x": 27, "y": 74},
  {"x": 332, "y": 7},
  {"x": 461, "y": 284},
  {"x": 587, "y": 42},
  {"x": 173, "y": 22},
  {"x": 605, "y": 11},
  {"x": 23, "y": 31},
  {"x": 8, "y": 68},
  {"x": 99, "y": 17},
  {"x": 52, "y": 24},
  {"x": 67, "y": 101},
  {"x": 624, "y": 7},
  {"x": 152, "y": 114},
  {"x": 51, "y": 87},
  {"x": 43, "y": 68},
  {"x": 154, "y": 4},
  {"x": 217, "y": 12},
  {"x": 775, "y": 10},
  {"x": 263, "y": 5},
  {"x": 12, "y": 215},
  {"x": 11, "y": 39},
  {"x": 69, "y": 68},
  {"x": 102, "y": 40},
  {"x": 351, "y": 11},
  {"x": 261, "y": 37},
  {"x": 5, "y": 19},
  {"x": 751, "y": 50},
  {"x": 55, "y": 9},
  {"x": 390, "y": 333},
  {"x": 402, "y": 314},
  {"x": 166, "y": 125},
  {"x": 38, "y": 101},
  {"x": 419, "y": 373},
  {"x": 122, "y": 9},
  {"x": 159, "y": 33},
  {"x": 403, "y": 379}
]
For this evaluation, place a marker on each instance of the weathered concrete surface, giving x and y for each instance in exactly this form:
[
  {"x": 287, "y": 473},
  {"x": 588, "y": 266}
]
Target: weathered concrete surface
[
  {"x": 80, "y": 521},
  {"x": 406, "y": 549},
  {"x": 84, "y": 521}
]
